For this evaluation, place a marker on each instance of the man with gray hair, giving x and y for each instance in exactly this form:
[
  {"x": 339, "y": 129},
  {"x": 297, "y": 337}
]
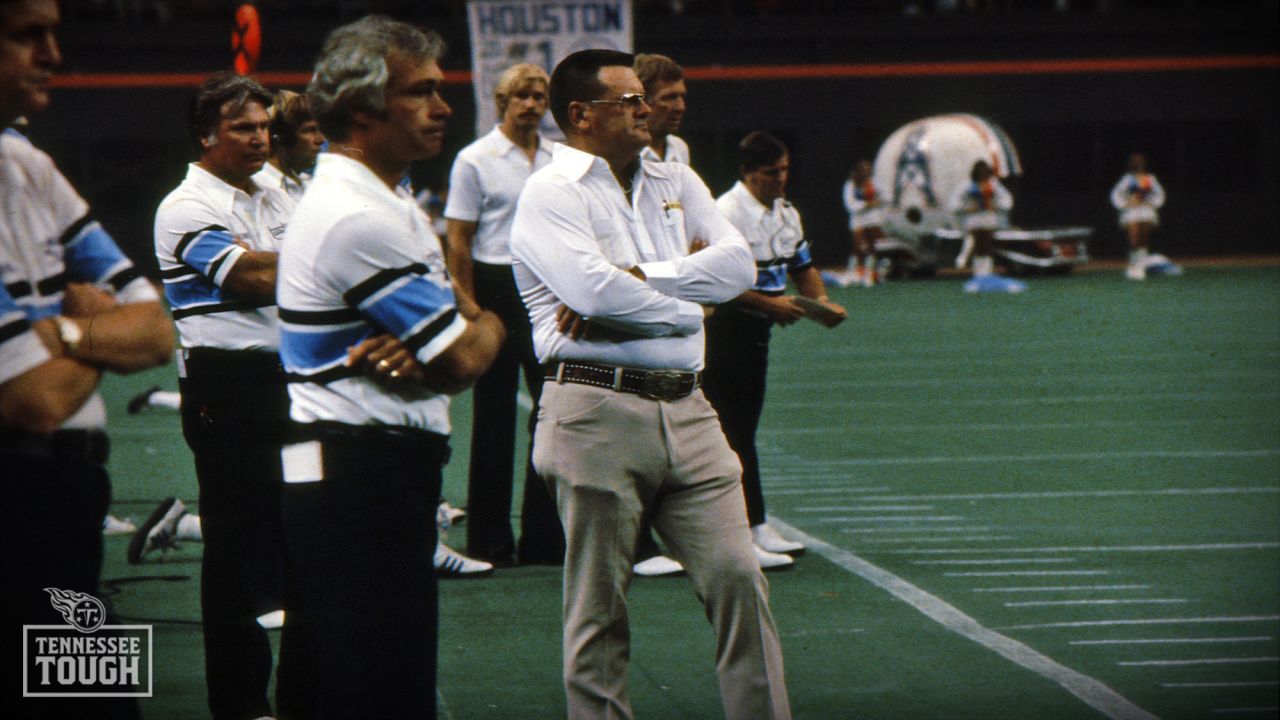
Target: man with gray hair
[
  {"x": 373, "y": 339},
  {"x": 217, "y": 236}
]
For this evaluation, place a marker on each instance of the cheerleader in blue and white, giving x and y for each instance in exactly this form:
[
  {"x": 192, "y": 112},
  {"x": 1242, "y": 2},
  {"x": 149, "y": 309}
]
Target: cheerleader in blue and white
[
  {"x": 980, "y": 207},
  {"x": 862, "y": 201},
  {"x": 1139, "y": 196}
]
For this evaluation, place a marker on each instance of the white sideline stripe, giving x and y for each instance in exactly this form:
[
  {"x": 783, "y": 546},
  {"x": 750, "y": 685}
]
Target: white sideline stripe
[
  {"x": 1100, "y": 601},
  {"x": 1147, "y": 621},
  {"x": 1092, "y": 549},
  {"x": 1004, "y": 561},
  {"x": 1246, "y": 684},
  {"x": 442, "y": 706},
  {"x": 1027, "y": 573},
  {"x": 1201, "y": 661},
  {"x": 1060, "y": 588},
  {"x": 1175, "y": 641},
  {"x": 1049, "y": 494},
  {"x": 524, "y": 400},
  {"x": 1091, "y": 691},
  {"x": 1056, "y": 457}
]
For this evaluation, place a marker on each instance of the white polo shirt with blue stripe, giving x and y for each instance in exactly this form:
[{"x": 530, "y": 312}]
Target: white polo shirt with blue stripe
[
  {"x": 774, "y": 234},
  {"x": 360, "y": 260},
  {"x": 199, "y": 230},
  {"x": 47, "y": 239}
]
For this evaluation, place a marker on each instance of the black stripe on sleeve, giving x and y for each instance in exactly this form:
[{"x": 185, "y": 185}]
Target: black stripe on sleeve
[
  {"x": 191, "y": 236},
  {"x": 319, "y": 317},
  {"x": 324, "y": 377},
  {"x": 237, "y": 306},
  {"x": 178, "y": 272},
  {"x": 14, "y": 329},
  {"x": 71, "y": 232},
  {"x": 416, "y": 341},
  {"x": 22, "y": 288},
  {"x": 124, "y": 277},
  {"x": 380, "y": 279},
  {"x": 52, "y": 285}
]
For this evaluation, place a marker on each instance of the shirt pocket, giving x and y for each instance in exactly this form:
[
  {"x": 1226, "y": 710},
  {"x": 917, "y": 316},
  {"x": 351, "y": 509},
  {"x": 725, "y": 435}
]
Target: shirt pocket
[
  {"x": 674, "y": 230},
  {"x": 615, "y": 242}
]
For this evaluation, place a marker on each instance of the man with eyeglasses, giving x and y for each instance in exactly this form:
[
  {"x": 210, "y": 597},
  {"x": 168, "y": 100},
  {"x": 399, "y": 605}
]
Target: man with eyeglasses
[{"x": 600, "y": 253}]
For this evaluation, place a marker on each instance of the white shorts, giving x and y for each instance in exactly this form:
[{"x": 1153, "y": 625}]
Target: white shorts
[{"x": 1139, "y": 214}]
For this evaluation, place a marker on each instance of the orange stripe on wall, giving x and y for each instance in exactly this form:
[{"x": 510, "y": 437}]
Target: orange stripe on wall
[{"x": 771, "y": 72}]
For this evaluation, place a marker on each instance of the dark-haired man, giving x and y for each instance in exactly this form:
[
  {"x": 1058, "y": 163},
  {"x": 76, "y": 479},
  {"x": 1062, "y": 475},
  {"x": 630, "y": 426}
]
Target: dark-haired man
[
  {"x": 600, "y": 252},
  {"x": 217, "y": 237}
]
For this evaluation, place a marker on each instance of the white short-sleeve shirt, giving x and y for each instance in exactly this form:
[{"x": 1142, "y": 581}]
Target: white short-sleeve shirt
[
  {"x": 677, "y": 151},
  {"x": 47, "y": 239},
  {"x": 198, "y": 230},
  {"x": 360, "y": 260},
  {"x": 485, "y": 183}
]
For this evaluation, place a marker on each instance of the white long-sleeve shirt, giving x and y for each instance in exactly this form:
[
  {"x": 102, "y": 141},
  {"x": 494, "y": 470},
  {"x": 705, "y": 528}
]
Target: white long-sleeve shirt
[{"x": 574, "y": 237}]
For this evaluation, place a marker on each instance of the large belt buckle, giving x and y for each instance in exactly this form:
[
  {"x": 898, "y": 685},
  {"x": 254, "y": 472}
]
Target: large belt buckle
[{"x": 661, "y": 385}]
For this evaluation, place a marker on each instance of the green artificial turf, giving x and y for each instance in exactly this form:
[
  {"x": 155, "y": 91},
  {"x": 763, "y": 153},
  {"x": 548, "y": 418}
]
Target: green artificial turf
[{"x": 1122, "y": 434}]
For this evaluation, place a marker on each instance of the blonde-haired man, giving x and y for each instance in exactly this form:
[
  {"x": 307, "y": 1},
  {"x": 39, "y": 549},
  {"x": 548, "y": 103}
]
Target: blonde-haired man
[{"x": 486, "y": 180}]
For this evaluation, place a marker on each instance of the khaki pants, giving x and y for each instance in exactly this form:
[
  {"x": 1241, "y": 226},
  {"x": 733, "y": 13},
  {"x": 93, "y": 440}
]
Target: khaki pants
[{"x": 608, "y": 457}]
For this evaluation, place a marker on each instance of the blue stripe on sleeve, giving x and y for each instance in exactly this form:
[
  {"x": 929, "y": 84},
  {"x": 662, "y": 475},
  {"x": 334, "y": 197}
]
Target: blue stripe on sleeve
[
  {"x": 191, "y": 290},
  {"x": 92, "y": 255},
  {"x": 405, "y": 306},
  {"x": 308, "y": 350},
  {"x": 206, "y": 248}
]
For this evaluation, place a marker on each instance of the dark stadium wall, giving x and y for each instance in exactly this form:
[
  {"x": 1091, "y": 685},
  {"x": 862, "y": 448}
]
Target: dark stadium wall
[{"x": 1212, "y": 135}]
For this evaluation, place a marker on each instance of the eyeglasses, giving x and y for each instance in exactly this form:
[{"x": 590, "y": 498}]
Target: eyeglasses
[{"x": 632, "y": 101}]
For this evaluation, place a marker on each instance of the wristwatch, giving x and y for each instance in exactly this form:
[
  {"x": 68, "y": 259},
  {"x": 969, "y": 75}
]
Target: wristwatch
[{"x": 69, "y": 332}]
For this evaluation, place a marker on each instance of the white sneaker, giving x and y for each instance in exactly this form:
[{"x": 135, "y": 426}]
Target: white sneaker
[
  {"x": 273, "y": 620},
  {"x": 768, "y": 539},
  {"x": 772, "y": 561},
  {"x": 159, "y": 532},
  {"x": 452, "y": 564},
  {"x": 112, "y": 525},
  {"x": 1136, "y": 271},
  {"x": 657, "y": 565}
]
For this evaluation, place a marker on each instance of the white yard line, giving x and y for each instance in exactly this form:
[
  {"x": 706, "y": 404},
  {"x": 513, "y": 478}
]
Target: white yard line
[
  {"x": 1090, "y": 690},
  {"x": 915, "y": 530},
  {"x": 1243, "y": 684},
  {"x": 842, "y": 519},
  {"x": 1060, "y": 588},
  {"x": 889, "y": 428},
  {"x": 1027, "y": 573},
  {"x": 1199, "y": 661},
  {"x": 1148, "y": 621},
  {"x": 1091, "y": 549},
  {"x": 1175, "y": 641},
  {"x": 995, "y": 561},
  {"x": 1235, "y": 396},
  {"x": 1098, "y": 601},
  {"x": 1054, "y": 494},
  {"x": 1056, "y": 457}
]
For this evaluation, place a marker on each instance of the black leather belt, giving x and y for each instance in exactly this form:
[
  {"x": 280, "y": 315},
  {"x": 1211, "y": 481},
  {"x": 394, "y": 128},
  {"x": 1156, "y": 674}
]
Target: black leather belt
[
  {"x": 89, "y": 446},
  {"x": 652, "y": 384}
]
